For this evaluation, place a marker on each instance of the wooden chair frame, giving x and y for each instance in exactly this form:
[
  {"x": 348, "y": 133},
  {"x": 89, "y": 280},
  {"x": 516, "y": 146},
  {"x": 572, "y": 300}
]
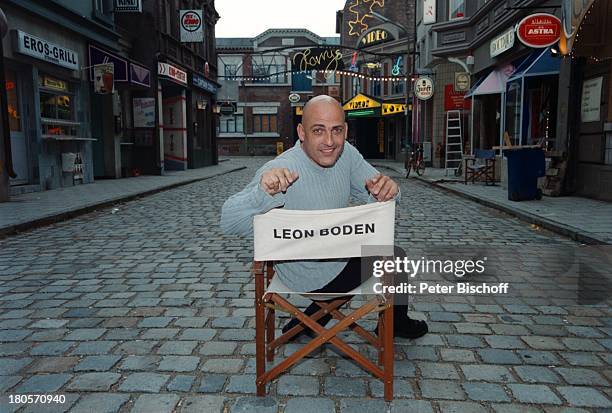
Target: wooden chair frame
[
  {"x": 479, "y": 170},
  {"x": 266, "y": 304}
]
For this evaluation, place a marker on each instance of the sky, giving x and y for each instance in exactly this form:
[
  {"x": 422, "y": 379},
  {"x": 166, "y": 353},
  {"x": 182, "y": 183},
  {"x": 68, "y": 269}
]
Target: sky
[{"x": 248, "y": 18}]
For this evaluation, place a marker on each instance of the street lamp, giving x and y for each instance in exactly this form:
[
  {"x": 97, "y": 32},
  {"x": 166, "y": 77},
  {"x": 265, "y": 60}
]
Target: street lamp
[{"x": 408, "y": 76}]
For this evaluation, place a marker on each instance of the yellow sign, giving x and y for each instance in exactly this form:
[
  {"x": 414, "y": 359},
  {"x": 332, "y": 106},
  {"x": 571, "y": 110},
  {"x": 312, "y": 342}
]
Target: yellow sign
[
  {"x": 56, "y": 84},
  {"x": 279, "y": 148},
  {"x": 361, "y": 102},
  {"x": 393, "y": 108},
  {"x": 299, "y": 110}
]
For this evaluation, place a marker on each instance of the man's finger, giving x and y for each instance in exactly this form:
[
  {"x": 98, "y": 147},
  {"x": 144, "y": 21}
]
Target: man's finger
[{"x": 288, "y": 175}]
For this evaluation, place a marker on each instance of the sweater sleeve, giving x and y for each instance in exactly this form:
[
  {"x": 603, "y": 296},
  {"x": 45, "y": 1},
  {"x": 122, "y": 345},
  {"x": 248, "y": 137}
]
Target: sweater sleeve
[
  {"x": 361, "y": 170},
  {"x": 238, "y": 210}
]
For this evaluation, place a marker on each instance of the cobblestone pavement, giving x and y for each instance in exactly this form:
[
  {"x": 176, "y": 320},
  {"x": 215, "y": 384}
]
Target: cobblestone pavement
[{"x": 150, "y": 309}]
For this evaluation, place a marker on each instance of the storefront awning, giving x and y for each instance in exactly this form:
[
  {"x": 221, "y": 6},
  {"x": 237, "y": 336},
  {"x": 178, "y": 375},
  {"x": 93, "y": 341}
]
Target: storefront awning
[
  {"x": 361, "y": 101},
  {"x": 539, "y": 63},
  {"x": 494, "y": 83}
]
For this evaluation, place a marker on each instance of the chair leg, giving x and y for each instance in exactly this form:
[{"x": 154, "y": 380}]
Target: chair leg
[
  {"x": 260, "y": 345},
  {"x": 270, "y": 335},
  {"x": 388, "y": 353},
  {"x": 381, "y": 334}
]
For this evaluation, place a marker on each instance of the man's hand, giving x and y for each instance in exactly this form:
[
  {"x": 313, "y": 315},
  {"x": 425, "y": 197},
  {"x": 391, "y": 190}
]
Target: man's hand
[
  {"x": 382, "y": 187},
  {"x": 277, "y": 180}
]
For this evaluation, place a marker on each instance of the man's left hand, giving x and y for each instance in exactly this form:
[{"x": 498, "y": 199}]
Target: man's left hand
[{"x": 382, "y": 187}]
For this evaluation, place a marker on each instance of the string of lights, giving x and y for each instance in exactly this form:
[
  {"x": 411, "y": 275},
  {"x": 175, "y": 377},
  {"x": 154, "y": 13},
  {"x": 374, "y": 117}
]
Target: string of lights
[{"x": 325, "y": 72}]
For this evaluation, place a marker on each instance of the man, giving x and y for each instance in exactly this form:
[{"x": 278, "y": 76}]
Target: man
[{"x": 322, "y": 171}]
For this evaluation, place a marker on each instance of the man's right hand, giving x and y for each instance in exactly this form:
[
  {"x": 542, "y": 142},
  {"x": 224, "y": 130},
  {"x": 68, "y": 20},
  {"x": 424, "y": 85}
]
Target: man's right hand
[{"x": 277, "y": 180}]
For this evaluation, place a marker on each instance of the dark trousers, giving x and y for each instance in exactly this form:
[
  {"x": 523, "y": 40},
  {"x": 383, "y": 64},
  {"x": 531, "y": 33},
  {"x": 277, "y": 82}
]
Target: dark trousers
[{"x": 349, "y": 279}]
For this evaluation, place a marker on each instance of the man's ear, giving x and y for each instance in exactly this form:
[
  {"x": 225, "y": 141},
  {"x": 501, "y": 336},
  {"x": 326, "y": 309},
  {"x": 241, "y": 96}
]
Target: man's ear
[
  {"x": 345, "y": 130},
  {"x": 301, "y": 132}
]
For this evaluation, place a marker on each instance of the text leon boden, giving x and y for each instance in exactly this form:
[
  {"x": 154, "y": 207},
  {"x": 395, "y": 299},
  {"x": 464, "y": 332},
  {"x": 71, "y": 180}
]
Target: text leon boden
[{"x": 353, "y": 229}]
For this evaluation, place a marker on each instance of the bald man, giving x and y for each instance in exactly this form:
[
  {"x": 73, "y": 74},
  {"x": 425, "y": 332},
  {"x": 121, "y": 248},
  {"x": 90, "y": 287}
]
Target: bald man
[{"x": 322, "y": 171}]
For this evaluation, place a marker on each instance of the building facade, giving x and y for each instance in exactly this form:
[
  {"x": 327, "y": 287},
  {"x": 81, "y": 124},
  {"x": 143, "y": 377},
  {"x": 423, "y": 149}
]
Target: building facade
[
  {"x": 173, "y": 122},
  {"x": 262, "y": 91},
  {"x": 378, "y": 47},
  {"x": 98, "y": 91},
  {"x": 48, "y": 92}
]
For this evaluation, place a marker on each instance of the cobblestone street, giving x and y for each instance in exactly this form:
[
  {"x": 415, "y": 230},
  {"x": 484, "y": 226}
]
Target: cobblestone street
[{"x": 147, "y": 307}]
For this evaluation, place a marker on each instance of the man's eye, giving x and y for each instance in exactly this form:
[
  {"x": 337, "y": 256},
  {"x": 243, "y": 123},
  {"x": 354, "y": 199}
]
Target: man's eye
[
  {"x": 318, "y": 131},
  {"x": 338, "y": 131}
]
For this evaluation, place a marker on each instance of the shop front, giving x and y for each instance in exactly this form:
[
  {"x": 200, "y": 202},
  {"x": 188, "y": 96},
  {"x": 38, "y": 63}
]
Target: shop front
[
  {"x": 113, "y": 149},
  {"x": 202, "y": 134},
  {"x": 589, "y": 29},
  {"x": 366, "y": 127},
  {"x": 172, "y": 116},
  {"x": 48, "y": 115}
]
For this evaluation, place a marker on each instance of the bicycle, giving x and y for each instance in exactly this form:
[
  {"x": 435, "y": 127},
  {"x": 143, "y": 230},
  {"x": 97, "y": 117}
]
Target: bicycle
[{"x": 415, "y": 161}]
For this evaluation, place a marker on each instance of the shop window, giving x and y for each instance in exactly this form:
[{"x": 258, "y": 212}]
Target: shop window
[
  {"x": 264, "y": 123},
  {"x": 14, "y": 110},
  {"x": 456, "y": 9},
  {"x": 232, "y": 124},
  {"x": 57, "y": 108}
]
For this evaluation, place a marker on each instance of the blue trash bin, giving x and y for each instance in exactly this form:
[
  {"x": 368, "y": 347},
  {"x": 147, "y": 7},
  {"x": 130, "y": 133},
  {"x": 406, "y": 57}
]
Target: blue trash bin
[{"x": 525, "y": 166}]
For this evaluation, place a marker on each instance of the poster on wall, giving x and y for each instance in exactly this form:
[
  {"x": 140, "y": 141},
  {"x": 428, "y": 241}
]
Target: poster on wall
[
  {"x": 104, "y": 78},
  {"x": 144, "y": 112},
  {"x": 192, "y": 29},
  {"x": 429, "y": 11},
  {"x": 591, "y": 100}
]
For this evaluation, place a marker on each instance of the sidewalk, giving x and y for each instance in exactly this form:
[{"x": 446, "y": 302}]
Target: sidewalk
[
  {"x": 35, "y": 209},
  {"x": 582, "y": 219}
]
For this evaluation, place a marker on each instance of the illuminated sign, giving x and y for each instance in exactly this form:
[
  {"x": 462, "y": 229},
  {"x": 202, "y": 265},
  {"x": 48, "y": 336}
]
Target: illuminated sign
[
  {"x": 317, "y": 58},
  {"x": 174, "y": 73},
  {"x": 41, "y": 49},
  {"x": 393, "y": 108},
  {"x": 299, "y": 110},
  {"x": 356, "y": 22},
  {"x": 361, "y": 102},
  {"x": 539, "y": 30},
  {"x": 375, "y": 36},
  {"x": 56, "y": 84}
]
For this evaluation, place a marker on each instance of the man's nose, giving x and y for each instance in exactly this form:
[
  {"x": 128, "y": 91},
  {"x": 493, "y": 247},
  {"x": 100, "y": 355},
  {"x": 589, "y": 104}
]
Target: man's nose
[{"x": 327, "y": 138}]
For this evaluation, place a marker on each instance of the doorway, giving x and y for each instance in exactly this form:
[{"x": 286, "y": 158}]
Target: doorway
[{"x": 19, "y": 146}]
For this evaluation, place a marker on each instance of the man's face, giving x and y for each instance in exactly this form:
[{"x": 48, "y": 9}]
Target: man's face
[{"x": 322, "y": 132}]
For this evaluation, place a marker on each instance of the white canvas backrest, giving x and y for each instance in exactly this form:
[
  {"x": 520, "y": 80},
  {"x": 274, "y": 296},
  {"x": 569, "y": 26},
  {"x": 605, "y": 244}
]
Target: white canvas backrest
[{"x": 282, "y": 235}]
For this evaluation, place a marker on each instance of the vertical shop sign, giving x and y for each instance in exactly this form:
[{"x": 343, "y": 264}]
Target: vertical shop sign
[
  {"x": 429, "y": 11},
  {"x": 591, "y": 100}
]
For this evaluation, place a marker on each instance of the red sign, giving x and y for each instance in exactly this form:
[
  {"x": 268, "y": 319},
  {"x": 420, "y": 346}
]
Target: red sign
[
  {"x": 455, "y": 100},
  {"x": 539, "y": 30}
]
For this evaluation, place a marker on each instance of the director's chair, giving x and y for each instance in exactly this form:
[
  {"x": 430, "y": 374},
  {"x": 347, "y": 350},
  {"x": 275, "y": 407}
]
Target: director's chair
[{"x": 269, "y": 298}]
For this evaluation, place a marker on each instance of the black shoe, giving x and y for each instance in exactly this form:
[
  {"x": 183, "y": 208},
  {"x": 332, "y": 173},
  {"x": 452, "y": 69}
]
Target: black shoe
[
  {"x": 310, "y": 310},
  {"x": 408, "y": 328}
]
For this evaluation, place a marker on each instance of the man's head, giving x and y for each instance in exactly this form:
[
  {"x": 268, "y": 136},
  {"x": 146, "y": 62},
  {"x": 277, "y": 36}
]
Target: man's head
[{"x": 323, "y": 130}]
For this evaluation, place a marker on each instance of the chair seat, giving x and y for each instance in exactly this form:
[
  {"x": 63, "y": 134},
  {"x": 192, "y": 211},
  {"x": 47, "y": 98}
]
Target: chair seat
[{"x": 278, "y": 287}]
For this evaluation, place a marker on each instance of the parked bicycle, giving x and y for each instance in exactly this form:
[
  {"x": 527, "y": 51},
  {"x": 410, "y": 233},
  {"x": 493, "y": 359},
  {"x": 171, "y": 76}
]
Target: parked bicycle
[{"x": 415, "y": 161}]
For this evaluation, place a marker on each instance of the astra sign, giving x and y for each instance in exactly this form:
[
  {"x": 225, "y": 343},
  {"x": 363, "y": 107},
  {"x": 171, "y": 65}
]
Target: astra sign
[{"x": 539, "y": 30}]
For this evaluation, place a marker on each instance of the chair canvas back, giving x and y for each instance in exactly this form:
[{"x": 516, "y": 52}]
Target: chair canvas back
[{"x": 284, "y": 235}]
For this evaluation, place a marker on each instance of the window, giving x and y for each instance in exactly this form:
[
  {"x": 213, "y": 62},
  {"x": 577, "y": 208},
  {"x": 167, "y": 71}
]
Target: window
[
  {"x": 230, "y": 71},
  {"x": 608, "y": 150},
  {"x": 301, "y": 81},
  {"x": 232, "y": 124},
  {"x": 269, "y": 73},
  {"x": 14, "y": 110},
  {"x": 57, "y": 107},
  {"x": 264, "y": 123},
  {"x": 456, "y": 9},
  {"x": 397, "y": 87}
]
